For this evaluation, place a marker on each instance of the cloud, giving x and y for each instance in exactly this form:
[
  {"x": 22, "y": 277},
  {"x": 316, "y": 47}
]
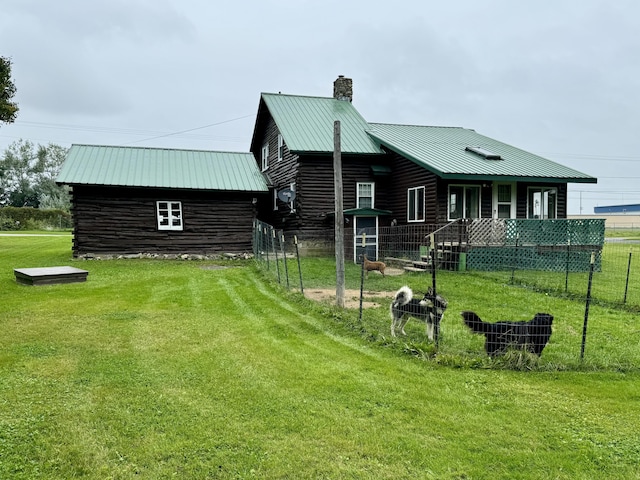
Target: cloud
[{"x": 91, "y": 52}]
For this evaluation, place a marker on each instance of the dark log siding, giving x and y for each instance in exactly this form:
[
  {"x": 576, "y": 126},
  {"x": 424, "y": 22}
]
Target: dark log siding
[
  {"x": 281, "y": 174},
  {"x": 407, "y": 174},
  {"x": 315, "y": 191},
  {"x": 123, "y": 220}
]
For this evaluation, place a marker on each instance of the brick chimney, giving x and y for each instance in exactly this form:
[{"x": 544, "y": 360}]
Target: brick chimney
[{"x": 343, "y": 88}]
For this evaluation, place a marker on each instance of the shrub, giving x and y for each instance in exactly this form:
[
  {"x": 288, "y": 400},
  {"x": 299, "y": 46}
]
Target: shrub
[{"x": 28, "y": 218}]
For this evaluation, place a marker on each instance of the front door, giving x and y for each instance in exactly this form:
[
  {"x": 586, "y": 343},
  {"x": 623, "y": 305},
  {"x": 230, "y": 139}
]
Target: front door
[
  {"x": 365, "y": 238},
  {"x": 504, "y": 200}
]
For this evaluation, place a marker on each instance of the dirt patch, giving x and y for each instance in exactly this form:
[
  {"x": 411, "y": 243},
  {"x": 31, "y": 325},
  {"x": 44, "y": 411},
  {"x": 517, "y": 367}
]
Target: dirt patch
[
  {"x": 390, "y": 271},
  {"x": 351, "y": 297}
]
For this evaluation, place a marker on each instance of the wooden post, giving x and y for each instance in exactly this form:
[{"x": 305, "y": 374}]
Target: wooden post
[
  {"x": 284, "y": 259},
  {"x": 295, "y": 240},
  {"x": 339, "y": 214}
]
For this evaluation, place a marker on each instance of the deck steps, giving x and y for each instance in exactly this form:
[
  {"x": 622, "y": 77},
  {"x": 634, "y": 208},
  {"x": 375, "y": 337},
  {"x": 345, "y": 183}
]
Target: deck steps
[{"x": 419, "y": 266}]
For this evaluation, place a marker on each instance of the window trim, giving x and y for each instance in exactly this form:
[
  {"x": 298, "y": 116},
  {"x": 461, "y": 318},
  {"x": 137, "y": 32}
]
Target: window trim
[
  {"x": 265, "y": 157},
  {"x": 280, "y": 147},
  {"x": 464, "y": 186},
  {"x": 542, "y": 190},
  {"x": 292, "y": 205},
  {"x": 168, "y": 206},
  {"x": 373, "y": 194},
  {"x": 414, "y": 191}
]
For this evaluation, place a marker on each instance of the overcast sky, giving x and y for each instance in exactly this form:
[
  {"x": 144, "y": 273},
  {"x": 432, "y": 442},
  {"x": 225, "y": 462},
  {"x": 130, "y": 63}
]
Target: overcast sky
[{"x": 559, "y": 78}]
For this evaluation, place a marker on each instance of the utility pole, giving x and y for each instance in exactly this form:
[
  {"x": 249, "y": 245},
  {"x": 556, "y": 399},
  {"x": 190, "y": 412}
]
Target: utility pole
[{"x": 339, "y": 214}]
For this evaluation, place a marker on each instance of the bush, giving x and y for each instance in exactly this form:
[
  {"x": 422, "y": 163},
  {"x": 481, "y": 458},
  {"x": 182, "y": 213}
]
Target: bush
[{"x": 28, "y": 218}]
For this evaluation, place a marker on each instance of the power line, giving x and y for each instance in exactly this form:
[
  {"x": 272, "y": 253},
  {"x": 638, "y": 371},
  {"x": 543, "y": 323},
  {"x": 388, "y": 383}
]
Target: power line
[
  {"x": 193, "y": 129},
  {"x": 132, "y": 131},
  {"x": 616, "y": 158}
]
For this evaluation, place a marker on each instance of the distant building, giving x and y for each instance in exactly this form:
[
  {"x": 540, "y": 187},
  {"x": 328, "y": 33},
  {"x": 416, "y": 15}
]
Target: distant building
[{"x": 633, "y": 209}]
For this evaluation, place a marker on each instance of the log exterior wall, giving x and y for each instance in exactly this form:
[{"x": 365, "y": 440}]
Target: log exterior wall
[
  {"x": 407, "y": 174},
  {"x": 124, "y": 220}
]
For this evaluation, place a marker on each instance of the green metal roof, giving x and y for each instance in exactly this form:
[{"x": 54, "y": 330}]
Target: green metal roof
[
  {"x": 306, "y": 124},
  {"x": 443, "y": 150},
  {"x": 161, "y": 168}
]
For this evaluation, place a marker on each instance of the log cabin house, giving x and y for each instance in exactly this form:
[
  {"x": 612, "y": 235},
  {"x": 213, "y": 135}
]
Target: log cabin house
[
  {"x": 160, "y": 200},
  {"x": 393, "y": 174}
]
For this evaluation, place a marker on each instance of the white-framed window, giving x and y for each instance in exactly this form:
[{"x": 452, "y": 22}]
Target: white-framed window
[
  {"x": 415, "y": 204},
  {"x": 265, "y": 157},
  {"x": 169, "y": 215},
  {"x": 365, "y": 195},
  {"x": 464, "y": 201},
  {"x": 280, "y": 147},
  {"x": 504, "y": 200},
  {"x": 542, "y": 202},
  {"x": 292, "y": 203}
]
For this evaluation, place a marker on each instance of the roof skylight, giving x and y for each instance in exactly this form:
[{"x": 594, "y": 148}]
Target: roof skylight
[{"x": 484, "y": 153}]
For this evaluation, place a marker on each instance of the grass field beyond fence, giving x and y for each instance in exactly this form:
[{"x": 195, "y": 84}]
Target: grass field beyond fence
[{"x": 188, "y": 369}]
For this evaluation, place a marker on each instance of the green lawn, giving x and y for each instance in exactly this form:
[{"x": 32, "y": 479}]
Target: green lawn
[{"x": 164, "y": 369}]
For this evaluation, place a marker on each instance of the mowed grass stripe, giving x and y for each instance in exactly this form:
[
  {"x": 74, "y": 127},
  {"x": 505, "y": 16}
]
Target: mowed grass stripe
[{"x": 164, "y": 369}]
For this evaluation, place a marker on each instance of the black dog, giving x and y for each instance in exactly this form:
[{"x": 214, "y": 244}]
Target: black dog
[
  {"x": 430, "y": 310},
  {"x": 531, "y": 336}
]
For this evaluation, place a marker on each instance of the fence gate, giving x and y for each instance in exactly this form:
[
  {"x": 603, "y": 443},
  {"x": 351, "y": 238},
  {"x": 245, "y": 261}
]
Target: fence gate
[{"x": 365, "y": 239}]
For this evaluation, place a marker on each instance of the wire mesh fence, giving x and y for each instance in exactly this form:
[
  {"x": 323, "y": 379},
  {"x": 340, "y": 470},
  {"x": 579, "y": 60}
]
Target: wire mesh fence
[
  {"x": 562, "y": 270},
  {"x": 278, "y": 255},
  {"x": 552, "y": 258}
]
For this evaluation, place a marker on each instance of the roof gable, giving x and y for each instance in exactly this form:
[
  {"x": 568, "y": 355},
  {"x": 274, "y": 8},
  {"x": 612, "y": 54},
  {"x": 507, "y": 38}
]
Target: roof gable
[
  {"x": 306, "y": 124},
  {"x": 444, "y": 150},
  {"x": 161, "y": 168}
]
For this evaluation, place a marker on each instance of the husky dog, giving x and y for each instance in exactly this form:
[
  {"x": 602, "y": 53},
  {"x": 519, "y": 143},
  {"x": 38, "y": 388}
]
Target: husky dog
[
  {"x": 429, "y": 310},
  {"x": 532, "y": 335},
  {"x": 369, "y": 265}
]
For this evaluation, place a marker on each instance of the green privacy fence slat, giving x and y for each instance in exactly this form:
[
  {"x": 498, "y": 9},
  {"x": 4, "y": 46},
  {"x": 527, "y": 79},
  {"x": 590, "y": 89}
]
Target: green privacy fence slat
[{"x": 546, "y": 245}]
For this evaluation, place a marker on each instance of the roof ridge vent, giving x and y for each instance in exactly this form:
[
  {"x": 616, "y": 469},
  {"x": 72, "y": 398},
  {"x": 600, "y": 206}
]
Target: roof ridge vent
[{"x": 484, "y": 153}]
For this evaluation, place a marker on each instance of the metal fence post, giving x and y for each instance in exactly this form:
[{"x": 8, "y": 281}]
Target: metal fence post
[
  {"x": 361, "y": 285},
  {"x": 436, "y": 325},
  {"x": 515, "y": 259},
  {"x": 586, "y": 310},
  {"x": 626, "y": 286},
  {"x": 266, "y": 249},
  {"x": 566, "y": 274},
  {"x": 275, "y": 252}
]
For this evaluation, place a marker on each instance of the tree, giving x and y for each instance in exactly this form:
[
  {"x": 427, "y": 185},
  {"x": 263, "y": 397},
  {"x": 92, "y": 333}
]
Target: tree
[
  {"x": 27, "y": 176},
  {"x": 47, "y": 168},
  {"x": 8, "y": 109}
]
